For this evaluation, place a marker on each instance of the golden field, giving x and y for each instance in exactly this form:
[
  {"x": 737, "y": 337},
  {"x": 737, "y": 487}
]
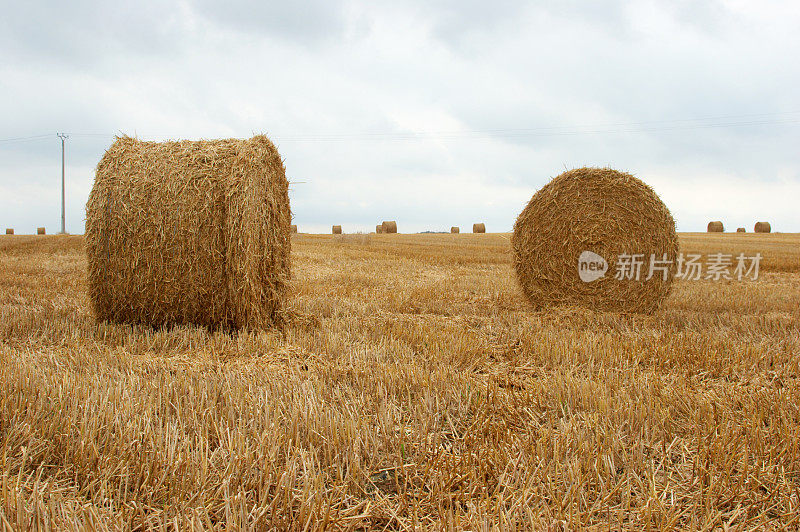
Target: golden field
[{"x": 413, "y": 389}]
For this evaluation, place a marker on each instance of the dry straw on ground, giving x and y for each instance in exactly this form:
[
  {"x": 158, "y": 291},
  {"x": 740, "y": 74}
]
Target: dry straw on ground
[
  {"x": 414, "y": 391},
  {"x": 336, "y": 230},
  {"x": 478, "y": 228},
  {"x": 455, "y": 229},
  {"x": 359, "y": 239},
  {"x": 189, "y": 232},
  {"x": 9, "y": 231},
  {"x": 762, "y": 227},
  {"x": 40, "y": 231},
  {"x": 389, "y": 227},
  {"x": 294, "y": 228},
  {"x": 741, "y": 230},
  {"x": 604, "y": 211},
  {"x": 379, "y": 229},
  {"x": 716, "y": 227}
]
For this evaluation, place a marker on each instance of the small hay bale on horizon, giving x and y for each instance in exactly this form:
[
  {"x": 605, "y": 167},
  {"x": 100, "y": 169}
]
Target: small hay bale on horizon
[
  {"x": 715, "y": 227},
  {"x": 294, "y": 228},
  {"x": 190, "y": 232},
  {"x": 379, "y": 229},
  {"x": 455, "y": 229},
  {"x": 336, "y": 230},
  {"x": 569, "y": 237},
  {"x": 762, "y": 227},
  {"x": 40, "y": 231},
  {"x": 389, "y": 226},
  {"x": 9, "y": 231},
  {"x": 741, "y": 230},
  {"x": 479, "y": 228}
]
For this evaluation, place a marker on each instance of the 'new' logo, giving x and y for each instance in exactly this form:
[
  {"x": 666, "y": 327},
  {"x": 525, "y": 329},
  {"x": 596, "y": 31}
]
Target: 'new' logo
[{"x": 591, "y": 266}]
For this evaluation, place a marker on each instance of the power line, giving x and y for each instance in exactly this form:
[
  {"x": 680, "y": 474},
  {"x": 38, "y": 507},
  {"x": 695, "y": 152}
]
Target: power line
[
  {"x": 629, "y": 127},
  {"x": 23, "y": 139},
  {"x": 679, "y": 124}
]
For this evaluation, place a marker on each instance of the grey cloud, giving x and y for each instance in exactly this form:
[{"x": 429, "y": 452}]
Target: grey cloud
[
  {"x": 471, "y": 26},
  {"x": 307, "y": 22},
  {"x": 81, "y": 33}
]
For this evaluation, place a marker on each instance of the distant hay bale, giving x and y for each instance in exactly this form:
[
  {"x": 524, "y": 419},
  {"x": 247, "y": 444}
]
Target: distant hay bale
[
  {"x": 478, "y": 228},
  {"x": 9, "y": 231},
  {"x": 741, "y": 230},
  {"x": 762, "y": 227},
  {"x": 40, "y": 231},
  {"x": 455, "y": 229},
  {"x": 580, "y": 224},
  {"x": 336, "y": 229},
  {"x": 389, "y": 227},
  {"x": 716, "y": 227},
  {"x": 379, "y": 228},
  {"x": 189, "y": 232},
  {"x": 294, "y": 228}
]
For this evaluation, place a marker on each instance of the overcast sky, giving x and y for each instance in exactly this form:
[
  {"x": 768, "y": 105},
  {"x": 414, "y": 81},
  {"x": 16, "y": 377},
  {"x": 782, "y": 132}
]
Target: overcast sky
[{"x": 429, "y": 113}]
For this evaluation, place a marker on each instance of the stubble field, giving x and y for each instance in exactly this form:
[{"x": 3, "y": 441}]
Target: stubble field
[{"x": 413, "y": 388}]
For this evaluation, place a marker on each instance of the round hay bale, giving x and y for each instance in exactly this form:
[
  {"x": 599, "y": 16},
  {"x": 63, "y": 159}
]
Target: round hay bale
[
  {"x": 379, "y": 228},
  {"x": 336, "y": 230},
  {"x": 189, "y": 232},
  {"x": 606, "y": 214},
  {"x": 741, "y": 230},
  {"x": 294, "y": 228},
  {"x": 478, "y": 228},
  {"x": 716, "y": 227},
  {"x": 40, "y": 231},
  {"x": 9, "y": 231},
  {"x": 389, "y": 227},
  {"x": 762, "y": 227},
  {"x": 455, "y": 229}
]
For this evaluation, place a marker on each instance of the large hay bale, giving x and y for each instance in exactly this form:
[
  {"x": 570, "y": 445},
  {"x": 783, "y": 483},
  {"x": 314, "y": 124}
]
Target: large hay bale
[
  {"x": 455, "y": 229},
  {"x": 741, "y": 230},
  {"x": 389, "y": 227},
  {"x": 762, "y": 227},
  {"x": 294, "y": 228},
  {"x": 40, "y": 231},
  {"x": 716, "y": 227},
  {"x": 189, "y": 232},
  {"x": 379, "y": 228},
  {"x": 478, "y": 228},
  {"x": 607, "y": 214},
  {"x": 9, "y": 231},
  {"x": 336, "y": 229}
]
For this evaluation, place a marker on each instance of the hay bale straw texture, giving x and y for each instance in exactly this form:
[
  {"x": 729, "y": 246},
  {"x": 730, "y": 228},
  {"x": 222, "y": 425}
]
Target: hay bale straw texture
[
  {"x": 294, "y": 228},
  {"x": 40, "y": 231},
  {"x": 379, "y": 228},
  {"x": 762, "y": 227},
  {"x": 336, "y": 229},
  {"x": 478, "y": 228},
  {"x": 389, "y": 227},
  {"x": 599, "y": 210},
  {"x": 455, "y": 229},
  {"x": 189, "y": 232},
  {"x": 716, "y": 227},
  {"x": 741, "y": 230},
  {"x": 9, "y": 231}
]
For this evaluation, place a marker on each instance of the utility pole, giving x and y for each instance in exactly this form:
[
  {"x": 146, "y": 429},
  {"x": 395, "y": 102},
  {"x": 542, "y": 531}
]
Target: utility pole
[{"x": 63, "y": 137}]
